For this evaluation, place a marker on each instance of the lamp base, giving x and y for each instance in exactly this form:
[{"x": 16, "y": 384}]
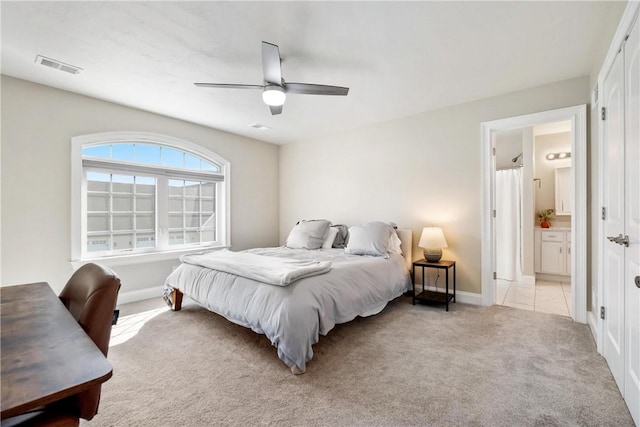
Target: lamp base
[{"x": 433, "y": 255}]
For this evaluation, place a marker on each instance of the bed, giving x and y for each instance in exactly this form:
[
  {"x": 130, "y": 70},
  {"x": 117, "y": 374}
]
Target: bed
[{"x": 294, "y": 311}]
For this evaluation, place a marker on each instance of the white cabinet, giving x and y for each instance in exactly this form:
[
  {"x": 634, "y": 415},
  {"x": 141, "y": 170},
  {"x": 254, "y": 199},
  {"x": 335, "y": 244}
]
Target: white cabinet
[
  {"x": 551, "y": 258},
  {"x": 563, "y": 191},
  {"x": 552, "y": 252}
]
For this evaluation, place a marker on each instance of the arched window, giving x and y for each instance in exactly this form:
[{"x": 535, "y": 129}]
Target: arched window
[{"x": 140, "y": 193}]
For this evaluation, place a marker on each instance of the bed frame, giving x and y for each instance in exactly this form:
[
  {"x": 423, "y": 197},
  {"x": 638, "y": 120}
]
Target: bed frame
[{"x": 406, "y": 244}]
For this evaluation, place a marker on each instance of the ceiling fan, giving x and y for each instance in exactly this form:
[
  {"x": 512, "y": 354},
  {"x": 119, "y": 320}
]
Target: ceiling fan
[{"x": 274, "y": 89}]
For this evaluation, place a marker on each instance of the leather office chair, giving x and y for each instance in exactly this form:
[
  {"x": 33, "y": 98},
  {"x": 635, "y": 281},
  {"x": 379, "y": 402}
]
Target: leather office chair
[{"x": 90, "y": 295}]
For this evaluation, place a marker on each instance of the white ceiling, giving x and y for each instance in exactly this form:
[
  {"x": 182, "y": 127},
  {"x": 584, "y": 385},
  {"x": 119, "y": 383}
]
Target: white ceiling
[{"x": 397, "y": 58}]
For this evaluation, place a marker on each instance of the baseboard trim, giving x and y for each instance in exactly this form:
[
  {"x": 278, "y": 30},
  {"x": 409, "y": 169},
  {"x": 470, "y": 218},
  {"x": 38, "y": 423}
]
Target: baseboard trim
[
  {"x": 139, "y": 295},
  {"x": 468, "y": 298},
  {"x": 461, "y": 296},
  {"x": 552, "y": 277}
]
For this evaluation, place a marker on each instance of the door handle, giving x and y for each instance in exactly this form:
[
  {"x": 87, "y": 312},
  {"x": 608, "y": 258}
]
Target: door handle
[
  {"x": 624, "y": 241},
  {"x": 638, "y": 282},
  {"x": 619, "y": 240}
]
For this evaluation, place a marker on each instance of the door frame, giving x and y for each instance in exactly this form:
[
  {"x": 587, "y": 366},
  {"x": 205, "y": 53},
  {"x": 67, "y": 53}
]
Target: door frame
[
  {"x": 578, "y": 117},
  {"x": 613, "y": 130}
]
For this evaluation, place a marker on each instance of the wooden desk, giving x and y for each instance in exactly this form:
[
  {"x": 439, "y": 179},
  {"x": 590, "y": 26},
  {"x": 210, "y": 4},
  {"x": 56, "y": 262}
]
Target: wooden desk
[{"x": 46, "y": 355}]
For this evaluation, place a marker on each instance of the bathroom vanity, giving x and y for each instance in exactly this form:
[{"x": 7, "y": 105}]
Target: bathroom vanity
[{"x": 552, "y": 251}]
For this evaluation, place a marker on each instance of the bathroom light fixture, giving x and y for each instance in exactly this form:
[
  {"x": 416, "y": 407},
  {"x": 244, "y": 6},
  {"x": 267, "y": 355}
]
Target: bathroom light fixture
[
  {"x": 273, "y": 95},
  {"x": 558, "y": 156},
  {"x": 432, "y": 240}
]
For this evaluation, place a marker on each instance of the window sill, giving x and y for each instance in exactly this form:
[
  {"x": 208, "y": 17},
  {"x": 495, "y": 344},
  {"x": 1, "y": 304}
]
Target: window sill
[{"x": 132, "y": 259}]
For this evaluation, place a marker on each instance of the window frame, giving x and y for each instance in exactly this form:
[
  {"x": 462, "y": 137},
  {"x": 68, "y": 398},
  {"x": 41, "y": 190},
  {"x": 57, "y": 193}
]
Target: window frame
[{"x": 79, "y": 255}]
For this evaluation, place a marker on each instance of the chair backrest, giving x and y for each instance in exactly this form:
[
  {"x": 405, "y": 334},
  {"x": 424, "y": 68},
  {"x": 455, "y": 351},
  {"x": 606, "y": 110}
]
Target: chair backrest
[{"x": 90, "y": 295}]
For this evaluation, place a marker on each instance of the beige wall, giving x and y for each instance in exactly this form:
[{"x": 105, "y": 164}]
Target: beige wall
[
  {"x": 508, "y": 146},
  {"x": 528, "y": 256},
  {"x": 37, "y": 125},
  {"x": 416, "y": 171}
]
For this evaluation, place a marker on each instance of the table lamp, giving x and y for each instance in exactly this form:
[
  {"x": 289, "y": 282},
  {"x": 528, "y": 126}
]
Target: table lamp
[{"x": 432, "y": 240}]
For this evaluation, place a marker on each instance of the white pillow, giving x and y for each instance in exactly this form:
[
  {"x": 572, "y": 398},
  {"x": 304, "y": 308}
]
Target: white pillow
[
  {"x": 395, "y": 244},
  {"x": 369, "y": 239},
  {"x": 331, "y": 236},
  {"x": 308, "y": 234}
]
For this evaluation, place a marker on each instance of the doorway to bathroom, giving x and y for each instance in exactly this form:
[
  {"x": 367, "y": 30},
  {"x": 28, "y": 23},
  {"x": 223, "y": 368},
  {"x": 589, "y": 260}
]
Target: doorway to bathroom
[
  {"x": 533, "y": 188},
  {"x": 528, "y": 167}
]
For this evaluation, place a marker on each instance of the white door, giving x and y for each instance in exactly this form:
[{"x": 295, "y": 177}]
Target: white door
[
  {"x": 632, "y": 222},
  {"x": 613, "y": 268}
]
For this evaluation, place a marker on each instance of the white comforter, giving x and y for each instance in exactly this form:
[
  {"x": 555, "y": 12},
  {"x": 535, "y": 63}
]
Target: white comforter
[
  {"x": 273, "y": 270},
  {"x": 294, "y": 316}
]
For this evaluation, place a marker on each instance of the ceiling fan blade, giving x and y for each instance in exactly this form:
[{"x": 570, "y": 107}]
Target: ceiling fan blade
[
  {"x": 271, "y": 63},
  {"x": 229, "y": 86},
  {"x": 275, "y": 109},
  {"x": 311, "y": 89}
]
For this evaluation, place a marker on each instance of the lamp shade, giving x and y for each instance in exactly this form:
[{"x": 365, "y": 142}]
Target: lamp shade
[
  {"x": 432, "y": 240},
  {"x": 432, "y": 237}
]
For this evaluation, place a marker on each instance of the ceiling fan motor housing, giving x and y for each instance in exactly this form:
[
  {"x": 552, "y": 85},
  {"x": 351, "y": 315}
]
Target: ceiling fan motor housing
[{"x": 273, "y": 95}]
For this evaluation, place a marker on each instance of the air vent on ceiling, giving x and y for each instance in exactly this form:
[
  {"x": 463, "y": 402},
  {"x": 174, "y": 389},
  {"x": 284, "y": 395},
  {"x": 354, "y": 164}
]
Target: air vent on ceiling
[
  {"x": 260, "y": 126},
  {"x": 53, "y": 63}
]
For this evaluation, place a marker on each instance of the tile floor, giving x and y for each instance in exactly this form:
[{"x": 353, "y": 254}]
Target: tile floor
[{"x": 545, "y": 296}]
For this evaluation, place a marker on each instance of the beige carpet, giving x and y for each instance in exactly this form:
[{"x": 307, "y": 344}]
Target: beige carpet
[{"x": 409, "y": 365}]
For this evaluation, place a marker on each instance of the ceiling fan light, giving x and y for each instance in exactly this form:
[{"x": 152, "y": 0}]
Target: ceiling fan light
[{"x": 273, "y": 95}]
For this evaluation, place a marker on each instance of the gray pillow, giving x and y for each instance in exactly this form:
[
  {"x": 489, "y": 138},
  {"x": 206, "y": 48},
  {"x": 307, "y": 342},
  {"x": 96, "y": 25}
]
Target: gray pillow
[
  {"x": 308, "y": 234},
  {"x": 342, "y": 236},
  {"x": 369, "y": 239}
]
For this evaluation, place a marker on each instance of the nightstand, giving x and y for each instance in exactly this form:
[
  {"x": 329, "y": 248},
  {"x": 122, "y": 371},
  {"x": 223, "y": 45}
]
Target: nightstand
[{"x": 435, "y": 296}]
